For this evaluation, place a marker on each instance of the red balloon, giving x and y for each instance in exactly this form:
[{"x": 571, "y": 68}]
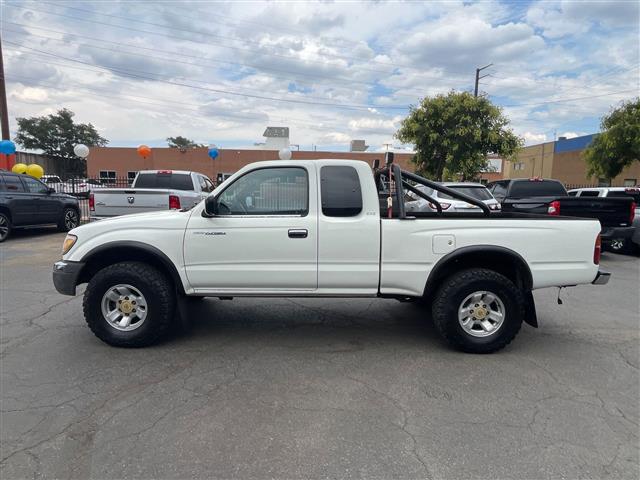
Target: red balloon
[{"x": 144, "y": 151}]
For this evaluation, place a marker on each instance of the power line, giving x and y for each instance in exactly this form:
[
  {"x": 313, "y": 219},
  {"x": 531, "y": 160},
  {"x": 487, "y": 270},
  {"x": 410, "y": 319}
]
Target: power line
[
  {"x": 570, "y": 99},
  {"x": 106, "y": 93},
  {"x": 97, "y": 22},
  {"x": 173, "y": 60},
  {"x": 225, "y": 92},
  {"x": 244, "y": 40}
]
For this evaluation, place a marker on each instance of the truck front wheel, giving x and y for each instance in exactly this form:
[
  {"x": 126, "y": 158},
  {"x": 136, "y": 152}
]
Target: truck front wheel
[
  {"x": 478, "y": 310},
  {"x": 129, "y": 304}
]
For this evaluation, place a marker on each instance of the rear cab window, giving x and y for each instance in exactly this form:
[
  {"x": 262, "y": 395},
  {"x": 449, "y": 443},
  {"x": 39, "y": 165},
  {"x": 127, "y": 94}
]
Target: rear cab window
[
  {"x": 632, "y": 192},
  {"x": 165, "y": 180},
  {"x": 340, "y": 191},
  {"x": 536, "y": 188}
]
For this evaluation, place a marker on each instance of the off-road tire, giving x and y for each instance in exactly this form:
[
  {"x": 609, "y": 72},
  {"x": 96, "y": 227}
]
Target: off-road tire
[
  {"x": 452, "y": 293},
  {"x": 5, "y": 222},
  {"x": 63, "y": 223},
  {"x": 158, "y": 291}
]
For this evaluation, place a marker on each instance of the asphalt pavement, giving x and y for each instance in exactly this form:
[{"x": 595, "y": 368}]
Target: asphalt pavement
[{"x": 316, "y": 388}]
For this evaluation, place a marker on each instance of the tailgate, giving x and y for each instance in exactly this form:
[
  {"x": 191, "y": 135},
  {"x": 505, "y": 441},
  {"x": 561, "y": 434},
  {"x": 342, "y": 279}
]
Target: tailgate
[
  {"x": 527, "y": 205},
  {"x": 612, "y": 211},
  {"x": 110, "y": 202}
]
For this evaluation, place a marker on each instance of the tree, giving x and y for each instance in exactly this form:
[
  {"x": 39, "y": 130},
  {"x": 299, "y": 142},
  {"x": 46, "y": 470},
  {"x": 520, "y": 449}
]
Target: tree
[
  {"x": 56, "y": 135},
  {"x": 183, "y": 143},
  {"x": 454, "y": 133},
  {"x": 618, "y": 144}
]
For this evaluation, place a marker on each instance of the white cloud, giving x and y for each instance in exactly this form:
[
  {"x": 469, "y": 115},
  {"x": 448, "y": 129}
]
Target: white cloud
[
  {"x": 385, "y": 54},
  {"x": 531, "y": 138}
]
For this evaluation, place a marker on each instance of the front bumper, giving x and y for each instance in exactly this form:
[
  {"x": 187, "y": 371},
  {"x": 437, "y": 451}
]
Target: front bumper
[
  {"x": 602, "y": 278},
  {"x": 609, "y": 234},
  {"x": 65, "y": 276}
]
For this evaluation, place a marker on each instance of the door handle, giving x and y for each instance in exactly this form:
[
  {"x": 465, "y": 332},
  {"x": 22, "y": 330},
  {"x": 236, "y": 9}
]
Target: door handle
[{"x": 298, "y": 233}]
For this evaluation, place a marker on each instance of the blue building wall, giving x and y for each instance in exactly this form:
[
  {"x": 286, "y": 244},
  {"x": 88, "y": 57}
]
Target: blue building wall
[{"x": 571, "y": 144}]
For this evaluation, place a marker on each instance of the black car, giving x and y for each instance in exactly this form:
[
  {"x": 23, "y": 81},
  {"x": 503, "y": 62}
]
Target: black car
[
  {"x": 549, "y": 197},
  {"x": 25, "y": 201}
]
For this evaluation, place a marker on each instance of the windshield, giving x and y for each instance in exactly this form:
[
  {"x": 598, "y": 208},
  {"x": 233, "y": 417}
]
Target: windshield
[{"x": 479, "y": 193}]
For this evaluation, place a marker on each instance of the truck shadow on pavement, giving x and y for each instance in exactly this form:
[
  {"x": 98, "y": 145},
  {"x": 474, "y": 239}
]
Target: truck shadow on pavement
[{"x": 342, "y": 325}]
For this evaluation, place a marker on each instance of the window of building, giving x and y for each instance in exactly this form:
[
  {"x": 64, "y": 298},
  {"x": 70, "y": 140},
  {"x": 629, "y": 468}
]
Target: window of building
[
  {"x": 340, "y": 191},
  {"x": 107, "y": 176},
  {"x": 518, "y": 166},
  {"x": 267, "y": 191},
  {"x": 630, "y": 182},
  {"x": 603, "y": 182},
  {"x": 131, "y": 176}
]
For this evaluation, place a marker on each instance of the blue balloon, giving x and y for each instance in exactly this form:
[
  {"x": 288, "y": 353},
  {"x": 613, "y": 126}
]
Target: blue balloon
[
  {"x": 213, "y": 153},
  {"x": 7, "y": 147}
]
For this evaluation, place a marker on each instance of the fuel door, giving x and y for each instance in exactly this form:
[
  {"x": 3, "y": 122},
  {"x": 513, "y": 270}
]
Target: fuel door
[{"x": 442, "y": 244}]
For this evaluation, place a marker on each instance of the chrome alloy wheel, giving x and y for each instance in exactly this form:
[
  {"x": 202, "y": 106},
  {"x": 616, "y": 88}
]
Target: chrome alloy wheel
[
  {"x": 124, "y": 307},
  {"x": 71, "y": 219},
  {"x": 481, "y": 314}
]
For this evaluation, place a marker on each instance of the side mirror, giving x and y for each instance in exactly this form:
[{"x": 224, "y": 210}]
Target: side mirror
[
  {"x": 51, "y": 190},
  {"x": 210, "y": 206}
]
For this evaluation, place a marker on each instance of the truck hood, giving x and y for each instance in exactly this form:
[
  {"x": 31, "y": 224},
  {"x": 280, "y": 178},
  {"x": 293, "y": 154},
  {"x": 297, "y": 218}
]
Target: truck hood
[{"x": 171, "y": 219}]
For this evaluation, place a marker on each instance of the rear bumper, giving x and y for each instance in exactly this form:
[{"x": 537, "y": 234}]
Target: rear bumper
[
  {"x": 602, "y": 278},
  {"x": 612, "y": 233},
  {"x": 65, "y": 276}
]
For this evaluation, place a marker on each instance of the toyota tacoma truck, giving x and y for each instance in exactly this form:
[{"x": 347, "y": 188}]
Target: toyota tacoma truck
[
  {"x": 151, "y": 190},
  {"x": 326, "y": 228}
]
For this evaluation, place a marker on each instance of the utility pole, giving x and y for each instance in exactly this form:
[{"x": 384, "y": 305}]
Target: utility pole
[
  {"x": 4, "y": 115},
  {"x": 478, "y": 77}
]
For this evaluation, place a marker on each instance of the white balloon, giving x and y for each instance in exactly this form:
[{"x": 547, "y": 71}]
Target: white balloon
[
  {"x": 81, "y": 150},
  {"x": 284, "y": 154}
]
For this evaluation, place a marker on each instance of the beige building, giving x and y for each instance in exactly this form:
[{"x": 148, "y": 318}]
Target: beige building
[{"x": 563, "y": 160}]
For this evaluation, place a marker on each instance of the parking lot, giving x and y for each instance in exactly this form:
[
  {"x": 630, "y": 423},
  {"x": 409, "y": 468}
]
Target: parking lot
[{"x": 310, "y": 388}]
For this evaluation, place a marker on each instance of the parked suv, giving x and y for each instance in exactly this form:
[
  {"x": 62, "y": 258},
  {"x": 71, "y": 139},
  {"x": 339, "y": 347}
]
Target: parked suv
[{"x": 25, "y": 201}]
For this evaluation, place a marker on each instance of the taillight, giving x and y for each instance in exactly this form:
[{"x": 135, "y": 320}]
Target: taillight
[
  {"x": 92, "y": 203},
  {"x": 174, "y": 202},
  {"x": 443, "y": 205},
  {"x": 632, "y": 214},
  {"x": 554, "y": 208},
  {"x": 597, "y": 250}
]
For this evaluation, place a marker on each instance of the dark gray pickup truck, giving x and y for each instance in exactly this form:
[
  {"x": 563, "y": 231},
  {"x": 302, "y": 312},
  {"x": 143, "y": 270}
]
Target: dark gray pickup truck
[{"x": 549, "y": 197}]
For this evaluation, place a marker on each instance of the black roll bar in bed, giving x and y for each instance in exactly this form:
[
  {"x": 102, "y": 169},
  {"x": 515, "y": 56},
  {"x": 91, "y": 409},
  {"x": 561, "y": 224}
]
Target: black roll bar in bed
[{"x": 399, "y": 178}]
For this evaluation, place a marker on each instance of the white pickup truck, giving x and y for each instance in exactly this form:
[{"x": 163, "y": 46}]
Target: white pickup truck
[
  {"x": 151, "y": 190},
  {"x": 325, "y": 228}
]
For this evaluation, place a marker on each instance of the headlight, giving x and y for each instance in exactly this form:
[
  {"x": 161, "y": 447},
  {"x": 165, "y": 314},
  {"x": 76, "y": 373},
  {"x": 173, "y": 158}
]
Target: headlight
[{"x": 69, "y": 242}]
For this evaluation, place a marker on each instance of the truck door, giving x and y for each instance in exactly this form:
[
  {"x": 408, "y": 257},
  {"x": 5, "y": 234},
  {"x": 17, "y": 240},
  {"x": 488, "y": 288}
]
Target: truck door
[
  {"x": 349, "y": 230},
  {"x": 264, "y": 237}
]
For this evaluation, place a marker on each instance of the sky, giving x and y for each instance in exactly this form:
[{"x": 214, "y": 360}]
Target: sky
[{"x": 220, "y": 72}]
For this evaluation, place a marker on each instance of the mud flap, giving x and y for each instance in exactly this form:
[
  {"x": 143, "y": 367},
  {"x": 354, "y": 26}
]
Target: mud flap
[{"x": 530, "y": 316}]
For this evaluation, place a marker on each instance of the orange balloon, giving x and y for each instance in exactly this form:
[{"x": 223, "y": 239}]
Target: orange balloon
[{"x": 144, "y": 151}]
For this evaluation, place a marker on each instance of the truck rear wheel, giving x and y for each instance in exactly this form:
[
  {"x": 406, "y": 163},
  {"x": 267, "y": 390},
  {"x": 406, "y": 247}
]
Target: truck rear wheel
[
  {"x": 478, "y": 310},
  {"x": 129, "y": 304}
]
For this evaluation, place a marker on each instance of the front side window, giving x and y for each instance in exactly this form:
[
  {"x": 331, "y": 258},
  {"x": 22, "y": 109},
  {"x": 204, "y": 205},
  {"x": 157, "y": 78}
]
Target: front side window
[
  {"x": 11, "y": 183},
  {"x": 499, "y": 190},
  {"x": 34, "y": 186},
  {"x": 340, "y": 191},
  {"x": 267, "y": 191}
]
